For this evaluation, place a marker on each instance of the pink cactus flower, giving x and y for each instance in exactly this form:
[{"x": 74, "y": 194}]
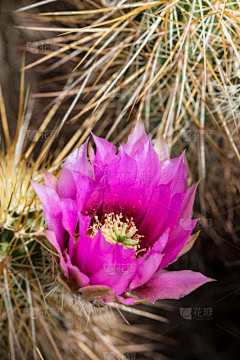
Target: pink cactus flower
[{"x": 119, "y": 219}]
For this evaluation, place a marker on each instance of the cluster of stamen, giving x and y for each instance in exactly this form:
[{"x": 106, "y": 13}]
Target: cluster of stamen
[{"x": 116, "y": 231}]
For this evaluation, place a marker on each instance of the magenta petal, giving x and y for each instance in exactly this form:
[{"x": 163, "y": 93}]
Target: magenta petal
[
  {"x": 50, "y": 235},
  {"x": 147, "y": 178},
  {"x": 148, "y": 166},
  {"x": 176, "y": 171},
  {"x": 66, "y": 185},
  {"x": 101, "y": 255},
  {"x": 83, "y": 243},
  {"x": 161, "y": 243},
  {"x": 127, "y": 301},
  {"x": 175, "y": 208},
  {"x": 122, "y": 300},
  {"x": 171, "y": 285},
  {"x": 51, "y": 180},
  {"x": 113, "y": 277},
  {"x": 92, "y": 155},
  {"x": 149, "y": 263},
  {"x": 105, "y": 151},
  {"x": 79, "y": 278},
  {"x": 100, "y": 252},
  {"x": 176, "y": 242},
  {"x": 118, "y": 272},
  {"x": 73, "y": 169},
  {"x": 156, "y": 214},
  {"x": 146, "y": 270},
  {"x": 69, "y": 219},
  {"x": 91, "y": 254},
  {"x": 186, "y": 212},
  {"x": 88, "y": 201},
  {"x": 75, "y": 183},
  {"x": 122, "y": 174},
  {"x": 51, "y": 209},
  {"x": 136, "y": 139},
  {"x": 77, "y": 162},
  {"x": 94, "y": 188}
]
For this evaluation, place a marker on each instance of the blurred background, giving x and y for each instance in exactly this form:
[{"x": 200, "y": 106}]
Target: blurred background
[{"x": 102, "y": 65}]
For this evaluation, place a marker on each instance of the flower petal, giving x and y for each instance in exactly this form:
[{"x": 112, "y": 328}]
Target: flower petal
[
  {"x": 148, "y": 165},
  {"x": 100, "y": 253},
  {"x": 92, "y": 254},
  {"x": 51, "y": 180},
  {"x": 88, "y": 200},
  {"x": 149, "y": 263},
  {"x": 189, "y": 244},
  {"x": 82, "y": 246},
  {"x": 66, "y": 185},
  {"x": 51, "y": 209},
  {"x": 113, "y": 277},
  {"x": 105, "y": 151},
  {"x": 147, "y": 178},
  {"x": 136, "y": 139},
  {"x": 79, "y": 278},
  {"x": 186, "y": 212},
  {"x": 176, "y": 171},
  {"x": 76, "y": 177},
  {"x": 127, "y": 301},
  {"x": 175, "y": 208},
  {"x": 156, "y": 214},
  {"x": 176, "y": 242},
  {"x": 118, "y": 271},
  {"x": 122, "y": 171},
  {"x": 50, "y": 235},
  {"x": 92, "y": 155},
  {"x": 171, "y": 285},
  {"x": 69, "y": 219},
  {"x": 77, "y": 162},
  {"x": 146, "y": 270}
]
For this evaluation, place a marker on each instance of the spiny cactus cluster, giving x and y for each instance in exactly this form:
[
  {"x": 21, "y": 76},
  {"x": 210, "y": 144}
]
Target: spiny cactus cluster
[{"x": 39, "y": 318}]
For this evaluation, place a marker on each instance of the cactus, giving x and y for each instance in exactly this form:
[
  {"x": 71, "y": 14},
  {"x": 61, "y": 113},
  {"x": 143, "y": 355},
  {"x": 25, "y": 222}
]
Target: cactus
[
  {"x": 174, "y": 65},
  {"x": 39, "y": 318}
]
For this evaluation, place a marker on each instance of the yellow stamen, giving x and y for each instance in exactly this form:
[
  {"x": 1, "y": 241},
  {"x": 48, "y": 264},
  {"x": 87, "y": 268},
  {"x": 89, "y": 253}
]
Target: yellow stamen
[{"x": 115, "y": 230}]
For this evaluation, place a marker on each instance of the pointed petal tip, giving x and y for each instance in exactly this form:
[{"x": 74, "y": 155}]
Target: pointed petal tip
[
  {"x": 32, "y": 182},
  {"x": 161, "y": 149},
  {"x": 136, "y": 139},
  {"x": 171, "y": 285},
  {"x": 51, "y": 180}
]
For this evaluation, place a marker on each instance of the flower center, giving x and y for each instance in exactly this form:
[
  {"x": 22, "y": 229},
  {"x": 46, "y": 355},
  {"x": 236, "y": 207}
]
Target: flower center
[{"x": 116, "y": 231}]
